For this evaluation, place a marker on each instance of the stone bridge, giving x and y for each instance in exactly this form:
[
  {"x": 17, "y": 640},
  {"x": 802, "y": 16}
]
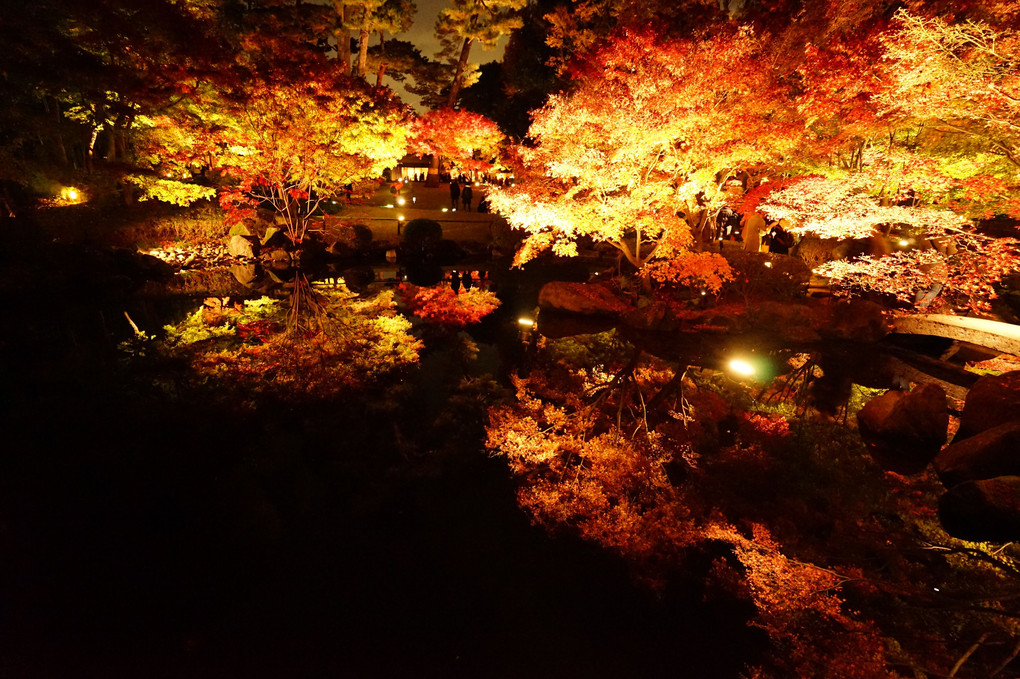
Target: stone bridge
[{"x": 995, "y": 335}]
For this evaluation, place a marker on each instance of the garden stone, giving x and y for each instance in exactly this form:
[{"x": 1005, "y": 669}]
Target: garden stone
[
  {"x": 244, "y": 273},
  {"x": 993, "y": 400},
  {"x": 993, "y": 452},
  {"x": 986, "y": 510},
  {"x": 581, "y": 298},
  {"x": 242, "y": 246},
  {"x": 904, "y": 431}
]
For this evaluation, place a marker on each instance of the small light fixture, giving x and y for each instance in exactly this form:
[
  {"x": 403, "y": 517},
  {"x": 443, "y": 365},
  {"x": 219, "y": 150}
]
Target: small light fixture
[
  {"x": 526, "y": 322},
  {"x": 388, "y": 205},
  {"x": 401, "y": 201},
  {"x": 904, "y": 242},
  {"x": 741, "y": 367},
  {"x": 446, "y": 209},
  {"x": 768, "y": 265}
]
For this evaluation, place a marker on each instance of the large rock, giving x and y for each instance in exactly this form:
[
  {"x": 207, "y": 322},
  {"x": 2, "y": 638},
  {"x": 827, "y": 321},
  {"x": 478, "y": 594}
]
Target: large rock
[
  {"x": 905, "y": 430},
  {"x": 987, "y": 510},
  {"x": 993, "y": 400},
  {"x": 993, "y": 452},
  {"x": 581, "y": 298},
  {"x": 242, "y": 246}
]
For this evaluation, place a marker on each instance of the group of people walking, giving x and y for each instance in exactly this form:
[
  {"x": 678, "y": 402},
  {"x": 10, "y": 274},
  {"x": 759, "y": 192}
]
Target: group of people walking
[{"x": 464, "y": 195}]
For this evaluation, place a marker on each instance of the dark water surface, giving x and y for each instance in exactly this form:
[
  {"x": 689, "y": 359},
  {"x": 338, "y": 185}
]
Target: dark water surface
[{"x": 144, "y": 535}]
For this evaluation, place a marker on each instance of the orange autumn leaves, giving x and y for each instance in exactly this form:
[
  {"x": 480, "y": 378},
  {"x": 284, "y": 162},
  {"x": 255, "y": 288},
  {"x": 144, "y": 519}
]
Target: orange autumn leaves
[{"x": 444, "y": 306}]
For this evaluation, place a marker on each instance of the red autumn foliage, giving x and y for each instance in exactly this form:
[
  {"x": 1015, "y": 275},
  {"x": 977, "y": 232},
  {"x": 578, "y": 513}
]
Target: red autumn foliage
[{"x": 441, "y": 304}]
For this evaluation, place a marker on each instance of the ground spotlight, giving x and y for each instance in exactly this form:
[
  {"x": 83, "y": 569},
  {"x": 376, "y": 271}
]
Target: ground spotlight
[{"x": 741, "y": 367}]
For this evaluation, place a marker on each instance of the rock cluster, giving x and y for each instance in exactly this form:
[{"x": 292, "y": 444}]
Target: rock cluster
[
  {"x": 905, "y": 431},
  {"x": 982, "y": 466}
]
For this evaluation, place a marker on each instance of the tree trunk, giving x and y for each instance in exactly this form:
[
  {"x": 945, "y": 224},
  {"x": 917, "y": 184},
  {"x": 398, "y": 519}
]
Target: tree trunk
[
  {"x": 433, "y": 178},
  {"x": 90, "y": 152},
  {"x": 342, "y": 35},
  {"x": 111, "y": 143},
  {"x": 458, "y": 75},
  {"x": 382, "y": 59},
  {"x": 363, "y": 37}
]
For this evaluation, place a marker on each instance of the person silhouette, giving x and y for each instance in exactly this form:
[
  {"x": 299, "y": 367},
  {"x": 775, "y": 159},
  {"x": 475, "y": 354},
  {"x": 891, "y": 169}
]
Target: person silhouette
[
  {"x": 455, "y": 281},
  {"x": 454, "y": 193},
  {"x": 465, "y": 196}
]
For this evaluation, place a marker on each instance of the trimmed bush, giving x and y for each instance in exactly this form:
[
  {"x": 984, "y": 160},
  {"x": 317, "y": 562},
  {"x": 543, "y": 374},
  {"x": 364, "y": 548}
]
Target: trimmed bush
[{"x": 421, "y": 231}]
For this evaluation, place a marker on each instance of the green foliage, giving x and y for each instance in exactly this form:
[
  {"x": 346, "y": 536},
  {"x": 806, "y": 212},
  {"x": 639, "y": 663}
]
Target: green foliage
[
  {"x": 598, "y": 349},
  {"x": 255, "y": 348},
  {"x": 170, "y": 190},
  {"x": 196, "y": 327}
]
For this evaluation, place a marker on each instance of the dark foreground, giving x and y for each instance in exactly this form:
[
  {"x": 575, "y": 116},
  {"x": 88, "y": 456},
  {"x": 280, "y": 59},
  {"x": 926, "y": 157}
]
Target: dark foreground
[{"x": 145, "y": 534}]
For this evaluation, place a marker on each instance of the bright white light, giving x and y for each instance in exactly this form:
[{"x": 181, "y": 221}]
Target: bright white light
[
  {"x": 446, "y": 209},
  {"x": 401, "y": 201},
  {"x": 741, "y": 367},
  {"x": 703, "y": 293},
  {"x": 526, "y": 322},
  {"x": 904, "y": 242},
  {"x": 768, "y": 265},
  {"x": 400, "y": 218},
  {"x": 389, "y": 205}
]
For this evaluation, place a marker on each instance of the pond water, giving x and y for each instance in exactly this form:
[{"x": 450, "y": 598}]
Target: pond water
[
  {"x": 153, "y": 535},
  {"x": 149, "y": 535}
]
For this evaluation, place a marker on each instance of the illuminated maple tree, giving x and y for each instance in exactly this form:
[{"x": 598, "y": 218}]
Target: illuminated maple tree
[
  {"x": 286, "y": 146},
  {"x": 470, "y": 140},
  {"x": 636, "y": 156},
  {"x": 934, "y": 250},
  {"x": 296, "y": 144},
  {"x": 962, "y": 76}
]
